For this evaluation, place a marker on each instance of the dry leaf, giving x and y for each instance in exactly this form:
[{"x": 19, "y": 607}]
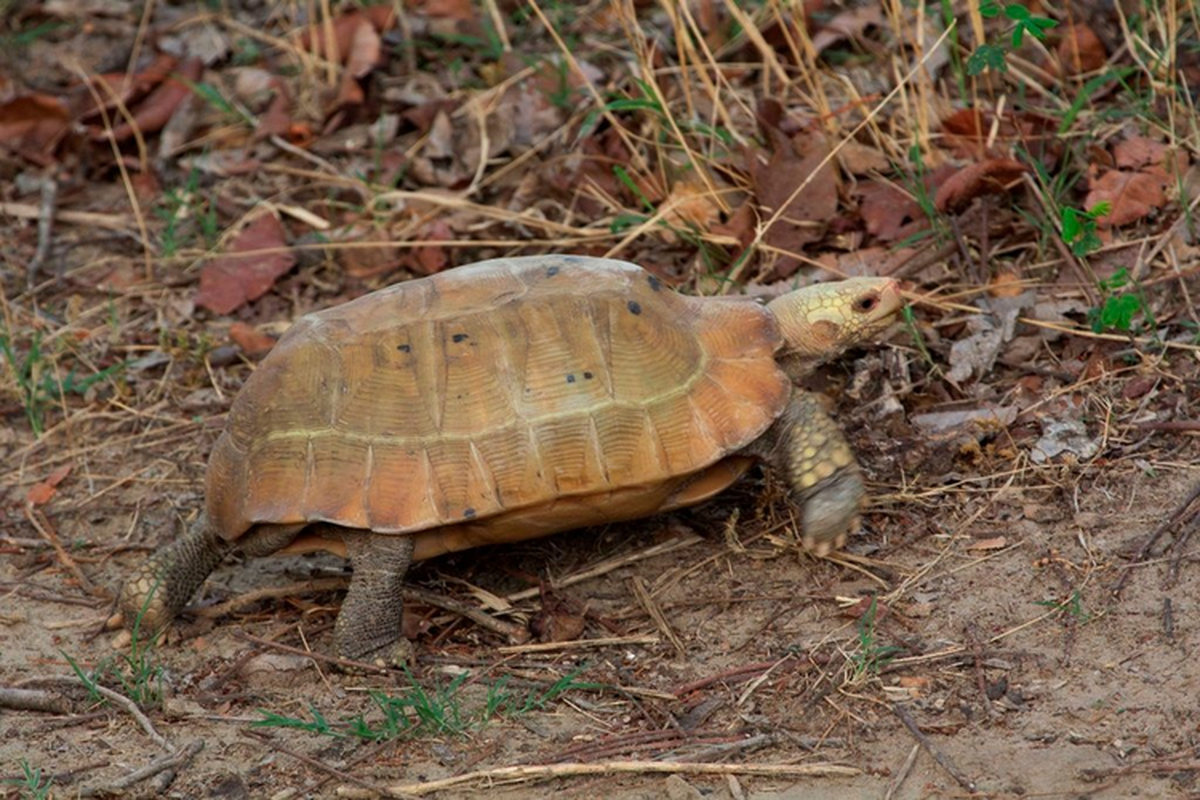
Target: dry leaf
[
  {"x": 345, "y": 30},
  {"x": 1133, "y": 195},
  {"x": 250, "y": 340},
  {"x": 861, "y": 159},
  {"x": 986, "y": 177},
  {"x": 153, "y": 113},
  {"x": 806, "y": 216},
  {"x": 33, "y": 125},
  {"x": 994, "y": 543},
  {"x": 691, "y": 204},
  {"x": 40, "y": 493},
  {"x": 847, "y": 25},
  {"x": 1081, "y": 50},
  {"x": 230, "y": 281},
  {"x": 1138, "y": 152}
]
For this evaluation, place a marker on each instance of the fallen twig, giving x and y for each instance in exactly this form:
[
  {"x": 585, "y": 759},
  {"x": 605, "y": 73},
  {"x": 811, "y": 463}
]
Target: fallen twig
[
  {"x": 941, "y": 758},
  {"x": 32, "y": 700},
  {"x": 159, "y": 765},
  {"x": 299, "y": 651},
  {"x": 577, "y": 644},
  {"x": 1175, "y": 518},
  {"x": 39, "y": 522},
  {"x": 604, "y": 567},
  {"x": 515, "y": 633},
  {"x": 541, "y": 772},
  {"x": 119, "y": 699},
  {"x": 45, "y": 228}
]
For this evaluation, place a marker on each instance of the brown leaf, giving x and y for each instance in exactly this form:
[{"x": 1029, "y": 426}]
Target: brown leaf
[
  {"x": 1133, "y": 195},
  {"x": 33, "y": 125},
  {"x": 993, "y": 543},
  {"x": 114, "y": 88},
  {"x": 346, "y": 29},
  {"x": 432, "y": 258},
  {"x": 557, "y": 626},
  {"x": 250, "y": 340},
  {"x": 890, "y": 213},
  {"x": 367, "y": 262},
  {"x": 40, "y": 493},
  {"x": 1081, "y": 50},
  {"x": 847, "y": 25},
  {"x": 1006, "y": 284},
  {"x": 1137, "y": 152},
  {"x": 967, "y": 133},
  {"x": 232, "y": 280},
  {"x": 153, "y": 113},
  {"x": 366, "y": 52},
  {"x": 462, "y": 10},
  {"x": 986, "y": 177},
  {"x": 805, "y": 217}
]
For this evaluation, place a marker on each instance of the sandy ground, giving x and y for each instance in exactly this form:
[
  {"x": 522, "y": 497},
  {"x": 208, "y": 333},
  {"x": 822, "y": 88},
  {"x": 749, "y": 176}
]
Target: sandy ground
[{"x": 1011, "y": 655}]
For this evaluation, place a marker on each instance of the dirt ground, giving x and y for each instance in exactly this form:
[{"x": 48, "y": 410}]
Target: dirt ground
[
  {"x": 1018, "y": 616},
  {"x": 1012, "y": 657}
]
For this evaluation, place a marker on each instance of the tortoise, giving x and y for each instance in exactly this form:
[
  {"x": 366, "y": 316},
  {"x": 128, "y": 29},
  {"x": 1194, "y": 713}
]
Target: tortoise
[{"x": 511, "y": 399}]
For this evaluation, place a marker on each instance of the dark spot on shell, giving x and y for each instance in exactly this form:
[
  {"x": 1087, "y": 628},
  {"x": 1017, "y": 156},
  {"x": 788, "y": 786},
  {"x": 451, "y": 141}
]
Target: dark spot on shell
[
  {"x": 551, "y": 272},
  {"x": 572, "y": 259},
  {"x": 404, "y": 348},
  {"x": 570, "y": 379},
  {"x": 587, "y": 376},
  {"x": 460, "y": 337},
  {"x": 655, "y": 283},
  {"x": 469, "y": 513},
  {"x": 635, "y": 307}
]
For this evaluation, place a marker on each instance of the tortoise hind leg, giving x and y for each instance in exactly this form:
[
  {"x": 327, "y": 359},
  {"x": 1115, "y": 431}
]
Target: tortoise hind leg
[
  {"x": 160, "y": 588},
  {"x": 368, "y": 627},
  {"x": 164, "y": 583},
  {"x": 807, "y": 446}
]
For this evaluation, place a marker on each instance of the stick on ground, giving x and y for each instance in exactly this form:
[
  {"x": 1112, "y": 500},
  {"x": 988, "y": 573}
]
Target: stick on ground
[{"x": 540, "y": 772}]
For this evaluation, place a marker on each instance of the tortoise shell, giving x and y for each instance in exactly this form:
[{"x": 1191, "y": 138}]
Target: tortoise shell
[{"x": 503, "y": 400}]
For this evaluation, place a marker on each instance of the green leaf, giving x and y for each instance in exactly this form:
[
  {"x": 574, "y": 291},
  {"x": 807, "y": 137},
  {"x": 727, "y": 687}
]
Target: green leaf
[
  {"x": 1016, "y": 12},
  {"x": 987, "y": 56},
  {"x": 1103, "y": 208},
  {"x": 1118, "y": 312},
  {"x": 990, "y": 9},
  {"x": 1071, "y": 227},
  {"x": 1040, "y": 25}
]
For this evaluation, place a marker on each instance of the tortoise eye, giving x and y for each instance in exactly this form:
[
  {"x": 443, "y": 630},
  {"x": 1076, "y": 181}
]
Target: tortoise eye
[{"x": 867, "y": 304}]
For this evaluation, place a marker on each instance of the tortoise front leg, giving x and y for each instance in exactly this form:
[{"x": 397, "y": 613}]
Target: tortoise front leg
[
  {"x": 808, "y": 448},
  {"x": 368, "y": 627}
]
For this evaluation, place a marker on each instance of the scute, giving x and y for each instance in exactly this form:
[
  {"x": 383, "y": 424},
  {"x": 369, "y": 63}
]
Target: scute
[{"x": 491, "y": 389}]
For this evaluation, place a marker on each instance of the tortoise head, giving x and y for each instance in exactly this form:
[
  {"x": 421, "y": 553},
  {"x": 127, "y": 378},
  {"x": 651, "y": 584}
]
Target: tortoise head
[{"x": 821, "y": 321}]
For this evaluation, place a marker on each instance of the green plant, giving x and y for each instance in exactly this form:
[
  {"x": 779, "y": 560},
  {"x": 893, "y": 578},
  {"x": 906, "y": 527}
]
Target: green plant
[
  {"x": 1120, "y": 305},
  {"x": 180, "y": 204},
  {"x": 138, "y": 672},
  {"x": 994, "y": 55},
  {"x": 1072, "y": 606},
  {"x": 871, "y": 656},
  {"x": 30, "y": 783},
  {"x": 915, "y": 183},
  {"x": 36, "y": 384},
  {"x": 420, "y": 712},
  {"x": 1079, "y": 227}
]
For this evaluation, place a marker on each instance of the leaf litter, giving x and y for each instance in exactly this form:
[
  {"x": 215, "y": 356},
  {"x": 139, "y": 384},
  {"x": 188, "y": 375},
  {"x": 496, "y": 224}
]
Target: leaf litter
[{"x": 228, "y": 171}]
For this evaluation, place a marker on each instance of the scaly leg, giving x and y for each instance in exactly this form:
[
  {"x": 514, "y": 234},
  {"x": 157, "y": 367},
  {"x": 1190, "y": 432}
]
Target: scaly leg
[
  {"x": 808, "y": 448},
  {"x": 368, "y": 627},
  {"x": 159, "y": 589}
]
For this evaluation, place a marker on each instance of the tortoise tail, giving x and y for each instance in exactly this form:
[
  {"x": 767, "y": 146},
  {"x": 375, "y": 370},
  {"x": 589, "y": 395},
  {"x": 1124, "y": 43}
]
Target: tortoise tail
[{"x": 163, "y": 585}]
